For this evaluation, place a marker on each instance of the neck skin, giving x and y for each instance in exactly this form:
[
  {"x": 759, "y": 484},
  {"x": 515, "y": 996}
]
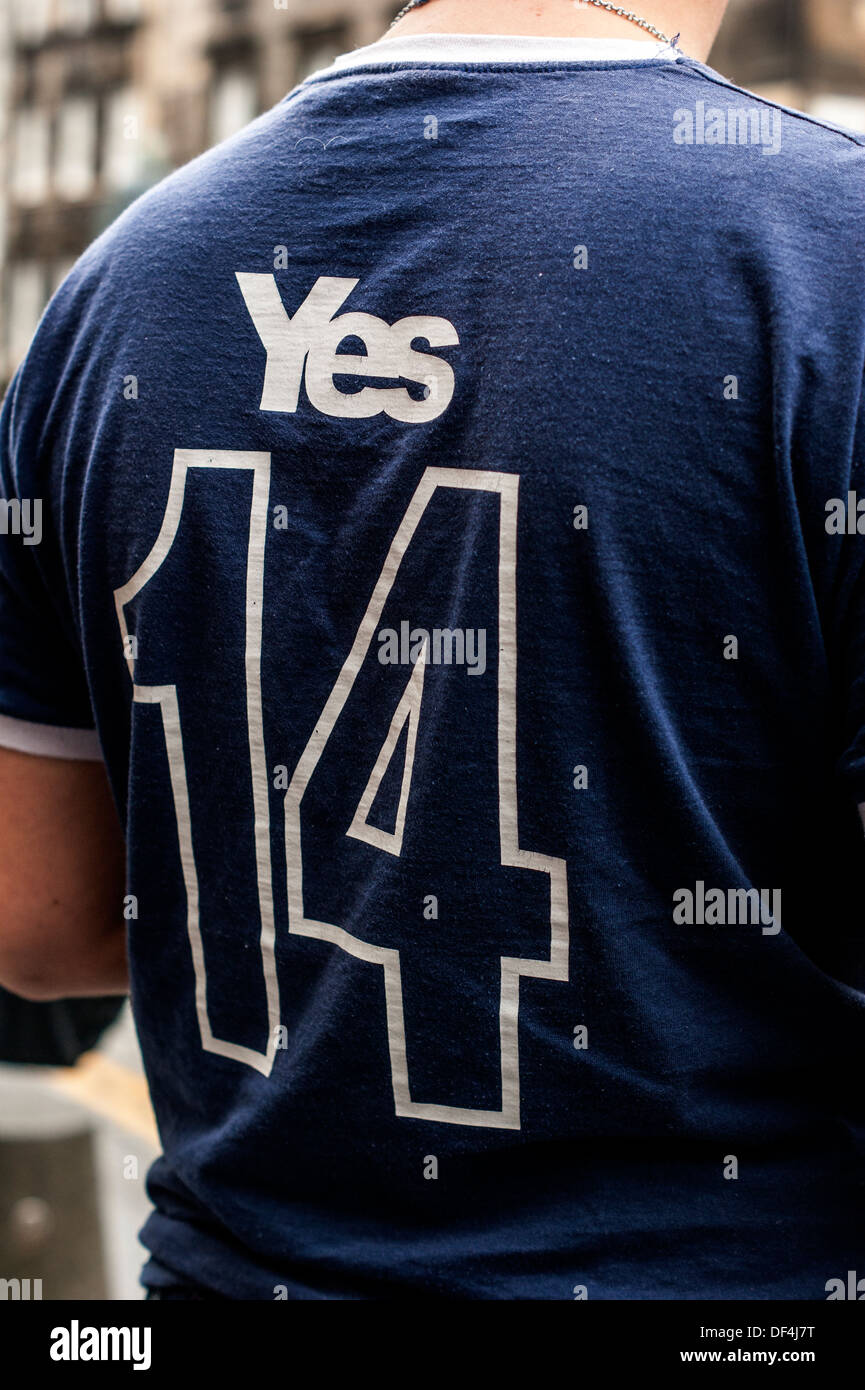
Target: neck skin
[{"x": 697, "y": 21}]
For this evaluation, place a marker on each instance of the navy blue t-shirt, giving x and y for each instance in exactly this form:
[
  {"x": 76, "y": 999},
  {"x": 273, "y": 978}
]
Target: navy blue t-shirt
[{"x": 447, "y": 496}]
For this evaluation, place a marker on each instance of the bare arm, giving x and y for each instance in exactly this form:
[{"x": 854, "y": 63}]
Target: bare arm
[{"x": 62, "y": 857}]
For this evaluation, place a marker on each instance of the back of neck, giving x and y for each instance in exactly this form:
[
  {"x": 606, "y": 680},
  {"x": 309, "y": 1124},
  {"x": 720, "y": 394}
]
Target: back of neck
[{"x": 697, "y": 22}]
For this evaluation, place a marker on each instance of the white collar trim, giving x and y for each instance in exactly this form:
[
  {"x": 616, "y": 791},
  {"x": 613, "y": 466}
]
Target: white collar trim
[{"x": 499, "y": 48}]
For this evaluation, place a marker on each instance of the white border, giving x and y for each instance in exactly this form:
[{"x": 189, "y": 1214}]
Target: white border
[
  {"x": 408, "y": 709},
  {"x": 499, "y": 48},
  {"x": 511, "y": 855},
  {"x": 166, "y": 698},
  {"x": 49, "y": 740}
]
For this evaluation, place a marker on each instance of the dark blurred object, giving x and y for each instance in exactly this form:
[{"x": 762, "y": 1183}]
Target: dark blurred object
[
  {"x": 55, "y": 1034},
  {"x": 766, "y": 41},
  {"x": 808, "y": 54}
]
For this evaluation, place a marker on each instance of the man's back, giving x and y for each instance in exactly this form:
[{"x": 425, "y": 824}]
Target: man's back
[{"x": 477, "y": 701}]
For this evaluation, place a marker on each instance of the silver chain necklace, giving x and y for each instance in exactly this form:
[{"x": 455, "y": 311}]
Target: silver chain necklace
[{"x": 601, "y": 4}]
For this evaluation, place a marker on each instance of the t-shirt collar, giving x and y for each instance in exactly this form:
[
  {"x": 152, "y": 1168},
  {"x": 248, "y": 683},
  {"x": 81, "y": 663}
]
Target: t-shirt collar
[{"x": 501, "y": 48}]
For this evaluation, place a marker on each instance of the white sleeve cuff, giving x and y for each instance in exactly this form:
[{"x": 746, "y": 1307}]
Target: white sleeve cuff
[{"x": 46, "y": 741}]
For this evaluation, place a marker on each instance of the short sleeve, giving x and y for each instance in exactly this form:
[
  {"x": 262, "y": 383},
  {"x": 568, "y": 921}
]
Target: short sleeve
[{"x": 44, "y": 702}]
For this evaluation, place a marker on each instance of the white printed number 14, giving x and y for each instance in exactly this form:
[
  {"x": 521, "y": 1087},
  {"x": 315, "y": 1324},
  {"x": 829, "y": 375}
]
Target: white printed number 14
[{"x": 409, "y": 710}]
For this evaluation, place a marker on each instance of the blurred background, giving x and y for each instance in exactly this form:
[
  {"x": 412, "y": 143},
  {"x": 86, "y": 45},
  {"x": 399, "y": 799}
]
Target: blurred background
[{"x": 98, "y": 100}]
